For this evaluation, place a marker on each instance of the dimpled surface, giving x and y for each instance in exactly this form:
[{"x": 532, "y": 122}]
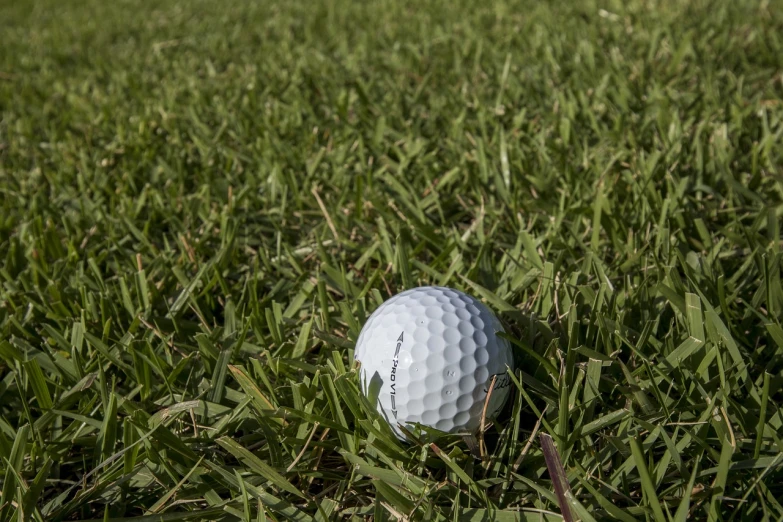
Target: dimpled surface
[{"x": 433, "y": 352}]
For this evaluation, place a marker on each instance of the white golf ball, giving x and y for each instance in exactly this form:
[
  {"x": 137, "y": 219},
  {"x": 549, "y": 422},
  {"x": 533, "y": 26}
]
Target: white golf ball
[{"x": 432, "y": 352}]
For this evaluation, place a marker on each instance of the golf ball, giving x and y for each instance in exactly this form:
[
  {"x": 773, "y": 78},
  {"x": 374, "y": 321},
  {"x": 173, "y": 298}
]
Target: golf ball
[{"x": 432, "y": 352}]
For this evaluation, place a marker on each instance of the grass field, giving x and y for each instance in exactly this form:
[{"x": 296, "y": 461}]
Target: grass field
[{"x": 201, "y": 202}]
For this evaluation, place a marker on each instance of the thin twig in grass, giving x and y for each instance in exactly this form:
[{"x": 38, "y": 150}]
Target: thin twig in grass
[
  {"x": 429, "y": 188},
  {"x": 162, "y": 337},
  {"x": 193, "y": 420},
  {"x": 325, "y": 213},
  {"x": 320, "y": 451},
  {"x": 556, "y": 299},
  {"x": 400, "y": 214},
  {"x": 326, "y": 491},
  {"x": 188, "y": 249},
  {"x": 304, "y": 448},
  {"x": 478, "y": 219},
  {"x": 200, "y": 318},
  {"x": 482, "y": 448},
  {"x": 393, "y": 512},
  {"x": 529, "y": 442},
  {"x": 87, "y": 236},
  {"x": 173, "y": 491},
  {"x": 386, "y": 283},
  {"x": 426, "y": 494},
  {"x": 732, "y": 439}
]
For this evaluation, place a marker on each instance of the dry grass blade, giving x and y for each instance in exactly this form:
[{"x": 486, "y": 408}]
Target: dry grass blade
[{"x": 558, "y": 475}]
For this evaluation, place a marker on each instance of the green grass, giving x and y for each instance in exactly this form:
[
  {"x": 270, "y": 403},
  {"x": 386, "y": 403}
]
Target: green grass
[{"x": 201, "y": 202}]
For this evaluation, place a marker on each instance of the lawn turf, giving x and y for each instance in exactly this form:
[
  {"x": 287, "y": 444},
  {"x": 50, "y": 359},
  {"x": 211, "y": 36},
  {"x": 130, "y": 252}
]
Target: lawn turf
[{"x": 201, "y": 202}]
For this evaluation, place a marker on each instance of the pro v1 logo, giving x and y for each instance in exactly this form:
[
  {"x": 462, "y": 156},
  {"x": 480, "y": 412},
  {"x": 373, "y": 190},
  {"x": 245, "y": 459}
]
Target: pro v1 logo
[{"x": 393, "y": 377}]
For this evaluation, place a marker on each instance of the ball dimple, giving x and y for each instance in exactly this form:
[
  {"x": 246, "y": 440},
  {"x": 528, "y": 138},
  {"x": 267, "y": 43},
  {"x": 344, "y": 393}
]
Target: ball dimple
[
  {"x": 451, "y": 320},
  {"x": 401, "y": 300},
  {"x": 432, "y": 401},
  {"x": 465, "y": 329},
  {"x": 451, "y": 335},
  {"x": 467, "y": 364},
  {"x": 473, "y": 309},
  {"x": 482, "y": 376},
  {"x": 436, "y": 344},
  {"x": 428, "y": 300},
  {"x": 452, "y": 353},
  {"x": 445, "y": 424},
  {"x": 429, "y": 417},
  {"x": 480, "y": 337},
  {"x": 477, "y": 322},
  {"x": 467, "y": 346},
  {"x": 464, "y": 402},
  {"x": 482, "y": 357},
  {"x": 436, "y": 328},
  {"x": 421, "y": 335},
  {"x": 418, "y": 314},
  {"x": 419, "y": 352},
  {"x": 467, "y": 384},
  {"x": 447, "y": 410},
  {"x": 434, "y": 312},
  {"x": 434, "y": 381},
  {"x": 403, "y": 318},
  {"x": 463, "y": 314},
  {"x": 415, "y": 390},
  {"x": 461, "y": 419},
  {"x": 415, "y": 407}
]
